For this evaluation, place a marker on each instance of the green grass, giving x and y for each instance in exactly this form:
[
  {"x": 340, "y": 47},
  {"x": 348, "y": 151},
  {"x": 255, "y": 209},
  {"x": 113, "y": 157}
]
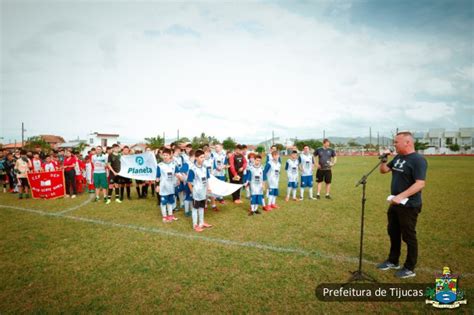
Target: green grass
[{"x": 58, "y": 264}]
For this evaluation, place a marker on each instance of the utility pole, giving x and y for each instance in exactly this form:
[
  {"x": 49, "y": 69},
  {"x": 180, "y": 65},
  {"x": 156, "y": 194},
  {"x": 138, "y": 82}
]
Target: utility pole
[
  {"x": 22, "y": 134},
  {"x": 324, "y": 134},
  {"x": 273, "y": 137},
  {"x": 378, "y": 140},
  {"x": 370, "y": 135},
  {"x": 164, "y": 139},
  {"x": 177, "y": 139}
]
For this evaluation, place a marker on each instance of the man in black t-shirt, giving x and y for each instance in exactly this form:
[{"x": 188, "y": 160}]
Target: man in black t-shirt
[
  {"x": 326, "y": 160},
  {"x": 408, "y": 179}
]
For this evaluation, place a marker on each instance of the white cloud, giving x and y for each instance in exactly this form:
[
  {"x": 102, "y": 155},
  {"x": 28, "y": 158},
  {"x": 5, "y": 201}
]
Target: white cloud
[{"x": 229, "y": 69}]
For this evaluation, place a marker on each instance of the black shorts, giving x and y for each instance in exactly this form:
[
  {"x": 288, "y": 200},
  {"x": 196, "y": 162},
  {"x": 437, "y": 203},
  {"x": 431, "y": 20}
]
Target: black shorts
[
  {"x": 24, "y": 182},
  {"x": 114, "y": 179},
  {"x": 199, "y": 204},
  {"x": 125, "y": 180},
  {"x": 324, "y": 175}
]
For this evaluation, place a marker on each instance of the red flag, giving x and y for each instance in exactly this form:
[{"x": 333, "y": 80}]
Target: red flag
[{"x": 47, "y": 185}]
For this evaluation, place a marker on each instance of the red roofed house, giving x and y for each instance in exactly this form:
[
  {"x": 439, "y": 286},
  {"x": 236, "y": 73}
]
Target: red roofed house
[{"x": 52, "y": 140}]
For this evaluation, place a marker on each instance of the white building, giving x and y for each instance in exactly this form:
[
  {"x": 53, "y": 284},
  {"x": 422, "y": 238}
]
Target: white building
[
  {"x": 439, "y": 140},
  {"x": 102, "y": 139}
]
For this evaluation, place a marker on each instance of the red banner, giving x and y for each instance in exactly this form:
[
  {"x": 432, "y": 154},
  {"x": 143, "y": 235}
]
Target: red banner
[{"x": 47, "y": 185}]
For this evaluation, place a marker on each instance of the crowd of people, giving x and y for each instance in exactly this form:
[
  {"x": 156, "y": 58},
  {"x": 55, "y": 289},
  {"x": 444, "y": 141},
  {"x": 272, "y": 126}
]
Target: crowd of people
[{"x": 182, "y": 175}]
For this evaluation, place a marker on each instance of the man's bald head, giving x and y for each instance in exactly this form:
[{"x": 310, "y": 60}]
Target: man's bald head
[{"x": 404, "y": 142}]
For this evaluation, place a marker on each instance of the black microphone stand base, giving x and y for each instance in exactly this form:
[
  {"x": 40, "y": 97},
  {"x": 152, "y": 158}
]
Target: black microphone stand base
[{"x": 359, "y": 275}]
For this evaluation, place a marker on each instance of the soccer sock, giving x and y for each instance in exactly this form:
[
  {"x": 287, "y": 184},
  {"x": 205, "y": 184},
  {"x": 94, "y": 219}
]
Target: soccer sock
[
  {"x": 170, "y": 209},
  {"x": 187, "y": 205},
  {"x": 195, "y": 217},
  {"x": 254, "y": 208},
  {"x": 152, "y": 189},
  {"x": 110, "y": 193},
  {"x": 263, "y": 202},
  {"x": 288, "y": 192},
  {"x": 310, "y": 192},
  {"x": 163, "y": 210},
  {"x": 138, "y": 191},
  {"x": 201, "y": 217},
  {"x": 117, "y": 192},
  {"x": 301, "y": 192},
  {"x": 144, "y": 190},
  {"x": 121, "y": 192},
  {"x": 128, "y": 191},
  {"x": 182, "y": 202},
  {"x": 247, "y": 191},
  {"x": 294, "y": 193}
]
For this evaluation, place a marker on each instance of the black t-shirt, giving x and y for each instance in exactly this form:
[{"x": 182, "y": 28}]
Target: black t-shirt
[
  {"x": 114, "y": 161},
  {"x": 406, "y": 169},
  {"x": 324, "y": 157}
]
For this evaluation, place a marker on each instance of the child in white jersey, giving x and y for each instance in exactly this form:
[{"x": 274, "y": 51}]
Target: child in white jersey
[
  {"x": 254, "y": 181},
  {"x": 198, "y": 183},
  {"x": 291, "y": 168},
  {"x": 166, "y": 176},
  {"x": 271, "y": 173}
]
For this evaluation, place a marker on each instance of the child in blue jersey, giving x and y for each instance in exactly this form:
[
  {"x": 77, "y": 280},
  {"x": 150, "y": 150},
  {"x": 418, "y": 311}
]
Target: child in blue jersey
[
  {"x": 188, "y": 198},
  {"x": 166, "y": 176},
  {"x": 251, "y": 160},
  {"x": 220, "y": 165},
  {"x": 198, "y": 183},
  {"x": 271, "y": 174},
  {"x": 306, "y": 161},
  {"x": 209, "y": 165},
  {"x": 179, "y": 161},
  {"x": 291, "y": 169},
  {"x": 254, "y": 180}
]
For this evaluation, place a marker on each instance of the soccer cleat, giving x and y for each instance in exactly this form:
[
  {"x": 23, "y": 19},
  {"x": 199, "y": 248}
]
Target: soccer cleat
[
  {"x": 198, "y": 228},
  {"x": 312, "y": 198},
  {"x": 258, "y": 212},
  {"x": 405, "y": 273},
  {"x": 294, "y": 199},
  {"x": 187, "y": 214},
  {"x": 166, "y": 219},
  {"x": 301, "y": 199},
  {"x": 251, "y": 213},
  {"x": 118, "y": 201},
  {"x": 328, "y": 197},
  {"x": 222, "y": 202},
  {"x": 73, "y": 196},
  {"x": 107, "y": 201},
  {"x": 207, "y": 226},
  {"x": 96, "y": 199},
  {"x": 287, "y": 199},
  {"x": 66, "y": 196},
  {"x": 215, "y": 209},
  {"x": 275, "y": 206},
  {"x": 386, "y": 265},
  {"x": 267, "y": 208},
  {"x": 238, "y": 201},
  {"x": 318, "y": 197},
  {"x": 172, "y": 218}
]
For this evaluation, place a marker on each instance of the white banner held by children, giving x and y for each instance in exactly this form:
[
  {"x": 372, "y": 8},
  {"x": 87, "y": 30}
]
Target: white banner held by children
[
  {"x": 221, "y": 188},
  {"x": 138, "y": 166}
]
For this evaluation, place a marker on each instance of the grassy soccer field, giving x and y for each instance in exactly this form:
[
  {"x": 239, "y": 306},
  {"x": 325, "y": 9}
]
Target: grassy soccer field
[{"x": 80, "y": 256}]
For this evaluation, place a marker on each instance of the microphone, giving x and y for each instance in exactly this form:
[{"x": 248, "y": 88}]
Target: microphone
[{"x": 384, "y": 156}]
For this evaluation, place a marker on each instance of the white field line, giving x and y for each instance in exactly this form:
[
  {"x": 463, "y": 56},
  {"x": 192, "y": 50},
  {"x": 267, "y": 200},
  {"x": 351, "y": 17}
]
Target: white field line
[
  {"x": 267, "y": 247},
  {"x": 91, "y": 197}
]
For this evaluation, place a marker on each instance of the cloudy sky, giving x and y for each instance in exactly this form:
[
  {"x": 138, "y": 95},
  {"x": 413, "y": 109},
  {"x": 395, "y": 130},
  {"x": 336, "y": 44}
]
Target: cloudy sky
[{"x": 239, "y": 69}]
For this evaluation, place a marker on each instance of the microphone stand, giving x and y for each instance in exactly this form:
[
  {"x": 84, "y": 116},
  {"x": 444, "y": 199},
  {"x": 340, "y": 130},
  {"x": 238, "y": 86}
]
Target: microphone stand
[{"x": 359, "y": 275}]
